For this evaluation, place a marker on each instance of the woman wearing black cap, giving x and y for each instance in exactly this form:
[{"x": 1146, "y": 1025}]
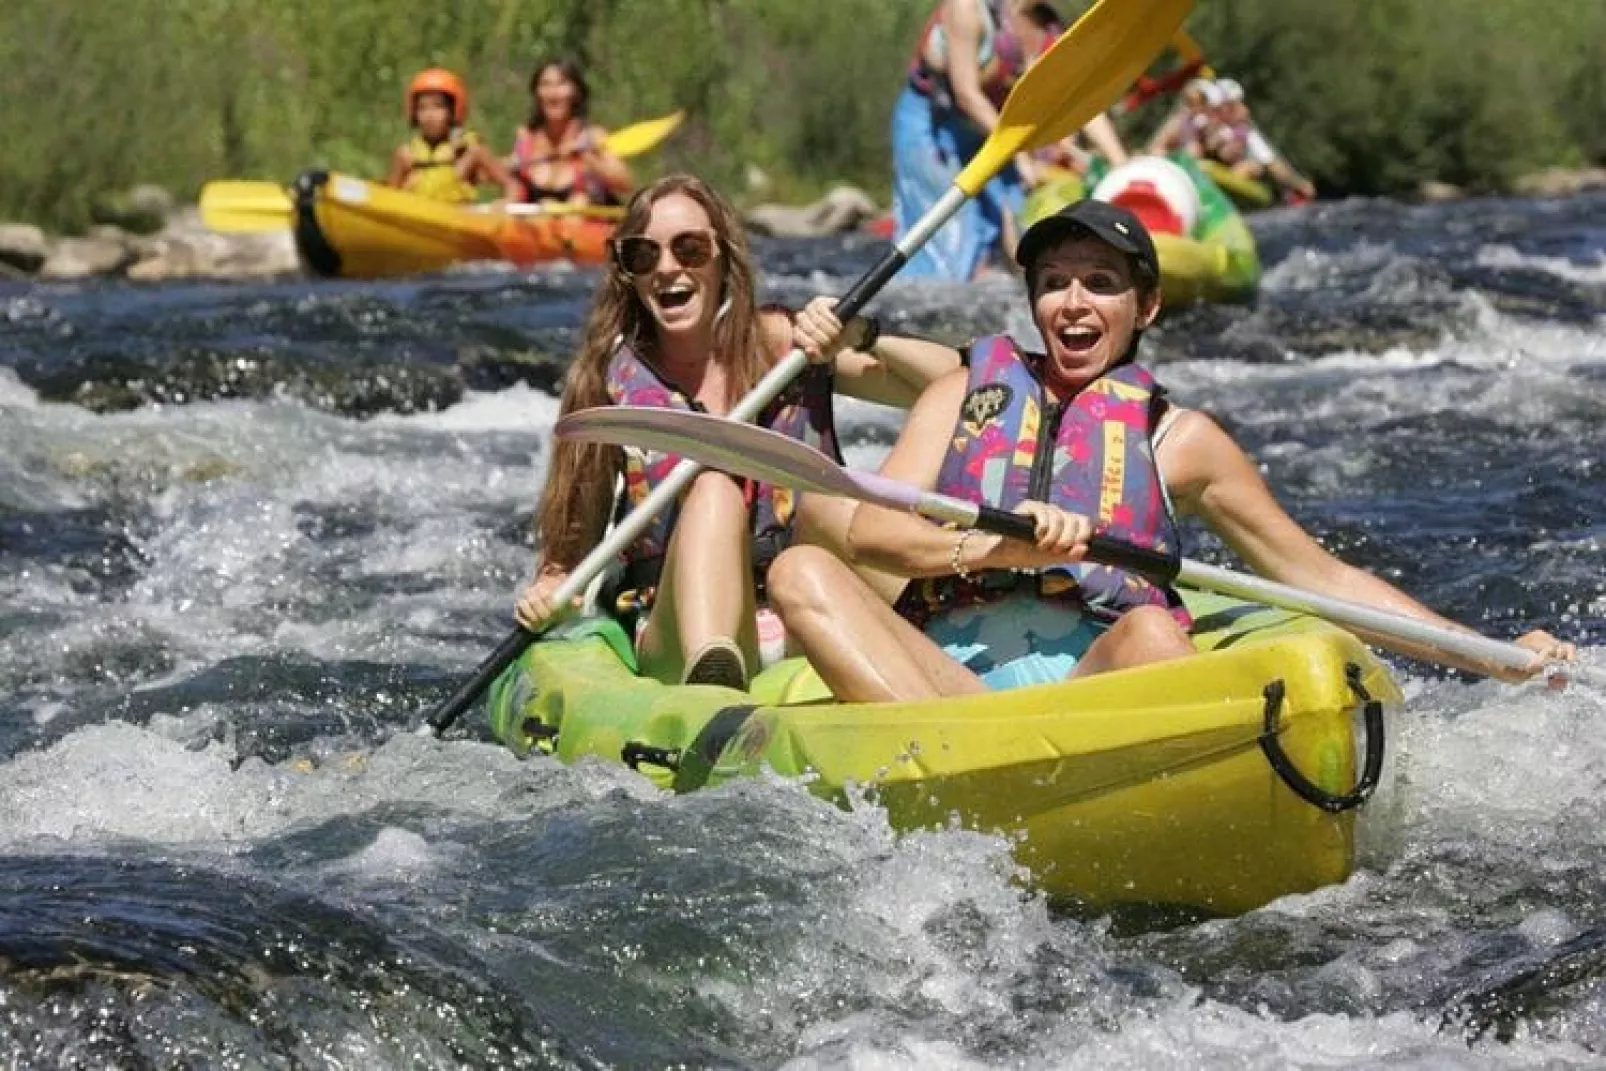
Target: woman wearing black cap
[{"x": 1077, "y": 436}]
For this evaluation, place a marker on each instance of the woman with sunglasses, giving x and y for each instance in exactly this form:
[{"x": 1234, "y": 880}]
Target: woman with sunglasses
[
  {"x": 675, "y": 323},
  {"x": 558, "y": 154},
  {"x": 1075, "y": 431}
]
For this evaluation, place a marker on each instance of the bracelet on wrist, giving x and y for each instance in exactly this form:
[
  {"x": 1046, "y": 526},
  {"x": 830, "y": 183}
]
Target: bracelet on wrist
[{"x": 957, "y": 558}]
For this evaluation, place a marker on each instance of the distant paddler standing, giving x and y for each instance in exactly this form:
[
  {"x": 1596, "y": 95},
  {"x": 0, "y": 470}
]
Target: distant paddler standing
[
  {"x": 970, "y": 54},
  {"x": 558, "y": 155},
  {"x": 443, "y": 160}
]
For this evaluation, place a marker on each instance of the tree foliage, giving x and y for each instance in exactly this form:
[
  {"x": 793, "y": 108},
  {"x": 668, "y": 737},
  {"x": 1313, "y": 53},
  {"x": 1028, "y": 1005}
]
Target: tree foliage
[{"x": 1365, "y": 95}]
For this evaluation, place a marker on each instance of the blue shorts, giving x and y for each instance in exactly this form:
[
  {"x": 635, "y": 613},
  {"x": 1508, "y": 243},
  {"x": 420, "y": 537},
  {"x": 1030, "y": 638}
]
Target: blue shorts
[{"x": 1016, "y": 641}]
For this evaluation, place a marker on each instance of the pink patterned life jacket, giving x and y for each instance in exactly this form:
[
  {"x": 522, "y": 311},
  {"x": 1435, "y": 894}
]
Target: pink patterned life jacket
[
  {"x": 803, "y": 412},
  {"x": 526, "y": 154},
  {"x": 1092, "y": 455}
]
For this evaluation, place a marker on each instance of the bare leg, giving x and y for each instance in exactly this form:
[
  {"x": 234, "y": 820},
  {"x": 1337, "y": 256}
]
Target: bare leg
[
  {"x": 823, "y": 521},
  {"x": 1147, "y": 634},
  {"x": 862, "y": 649},
  {"x": 705, "y": 592}
]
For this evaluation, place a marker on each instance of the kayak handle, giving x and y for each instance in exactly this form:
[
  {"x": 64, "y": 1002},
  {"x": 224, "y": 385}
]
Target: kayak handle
[{"x": 1304, "y": 787}]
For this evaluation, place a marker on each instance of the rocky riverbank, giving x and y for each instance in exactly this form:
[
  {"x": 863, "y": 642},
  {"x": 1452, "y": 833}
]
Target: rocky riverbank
[{"x": 144, "y": 236}]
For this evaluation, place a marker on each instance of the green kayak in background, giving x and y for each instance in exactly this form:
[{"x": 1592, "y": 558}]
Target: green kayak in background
[{"x": 1207, "y": 251}]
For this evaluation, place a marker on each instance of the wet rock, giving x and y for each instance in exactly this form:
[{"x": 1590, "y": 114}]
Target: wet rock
[
  {"x": 186, "y": 249},
  {"x": 1433, "y": 191},
  {"x": 1561, "y": 181},
  {"x": 79, "y": 258},
  {"x": 23, "y": 246},
  {"x": 844, "y": 209},
  {"x": 140, "y": 209}
]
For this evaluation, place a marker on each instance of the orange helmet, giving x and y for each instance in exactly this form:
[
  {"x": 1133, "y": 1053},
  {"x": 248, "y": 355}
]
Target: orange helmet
[{"x": 439, "y": 80}]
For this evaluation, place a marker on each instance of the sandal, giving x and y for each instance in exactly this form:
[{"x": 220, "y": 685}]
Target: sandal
[{"x": 718, "y": 662}]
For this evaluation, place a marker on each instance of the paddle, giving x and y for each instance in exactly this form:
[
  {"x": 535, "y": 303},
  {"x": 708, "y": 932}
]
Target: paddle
[
  {"x": 760, "y": 454},
  {"x": 1069, "y": 84},
  {"x": 637, "y": 138},
  {"x": 241, "y": 206},
  {"x": 245, "y": 206},
  {"x": 1191, "y": 64}
]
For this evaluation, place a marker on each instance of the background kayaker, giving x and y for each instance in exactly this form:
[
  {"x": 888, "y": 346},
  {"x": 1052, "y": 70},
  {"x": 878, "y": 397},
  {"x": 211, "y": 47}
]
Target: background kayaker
[
  {"x": 1236, "y": 141},
  {"x": 996, "y": 613},
  {"x": 1188, "y": 122},
  {"x": 558, "y": 155},
  {"x": 675, "y": 323},
  {"x": 969, "y": 56},
  {"x": 443, "y": 160}
]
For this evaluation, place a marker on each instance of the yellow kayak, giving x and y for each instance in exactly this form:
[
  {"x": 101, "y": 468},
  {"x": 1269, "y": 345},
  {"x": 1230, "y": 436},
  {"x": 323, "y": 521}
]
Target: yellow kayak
[
  {"x": 1247, "y": 193},
  {"x": 355, "y": 229},
  {"x": 1211, "y": 785}
]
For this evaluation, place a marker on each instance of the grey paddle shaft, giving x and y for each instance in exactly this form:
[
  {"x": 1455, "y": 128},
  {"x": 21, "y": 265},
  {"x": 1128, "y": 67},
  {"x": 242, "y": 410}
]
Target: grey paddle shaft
[{"x": 1355, "y": 615}]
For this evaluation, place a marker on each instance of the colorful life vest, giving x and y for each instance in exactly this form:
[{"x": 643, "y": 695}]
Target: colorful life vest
[
  {"x": 1092, "y": 455},
  {"x": 433, "y": 172},
  {"x": 803, "y": 412},
  {"x": 531, "y": 147},
  {"x": 1001, "y": 57}
]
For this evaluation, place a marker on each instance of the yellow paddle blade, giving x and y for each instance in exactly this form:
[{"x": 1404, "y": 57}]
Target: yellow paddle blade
[
  {"x": 637, "y": 138},
  {"x": 236, "y": 206},
  {"x": 1086, "y": 70}
]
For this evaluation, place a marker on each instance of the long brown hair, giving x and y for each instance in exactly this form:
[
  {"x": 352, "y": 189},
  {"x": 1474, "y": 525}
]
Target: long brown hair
[{"x": 580, "y": 476}]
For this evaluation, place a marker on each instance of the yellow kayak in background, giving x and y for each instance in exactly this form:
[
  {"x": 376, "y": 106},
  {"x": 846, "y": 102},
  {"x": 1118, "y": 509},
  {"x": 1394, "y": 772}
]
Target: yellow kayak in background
[
  {"x": 354, "y": 229},
  {"x": 1212, "y": 785},
  {"x": 1247, "y": 193}
]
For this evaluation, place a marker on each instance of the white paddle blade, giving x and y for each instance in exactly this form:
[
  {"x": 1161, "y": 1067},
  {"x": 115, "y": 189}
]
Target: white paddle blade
[{"x": 718, "y": 443}]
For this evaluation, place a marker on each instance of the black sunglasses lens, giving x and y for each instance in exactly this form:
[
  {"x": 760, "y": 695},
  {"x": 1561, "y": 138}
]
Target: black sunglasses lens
[
  {"x": 638, "y": 254},
  {"x": 692, "y": 249}
]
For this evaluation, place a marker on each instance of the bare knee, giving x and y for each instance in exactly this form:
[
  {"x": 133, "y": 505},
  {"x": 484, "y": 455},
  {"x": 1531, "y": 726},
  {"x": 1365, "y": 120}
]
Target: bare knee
[
  {"x": 802, "y": 577},
  {"x": 1150, "y": 633},
  {"x": 714, "y": 494}
]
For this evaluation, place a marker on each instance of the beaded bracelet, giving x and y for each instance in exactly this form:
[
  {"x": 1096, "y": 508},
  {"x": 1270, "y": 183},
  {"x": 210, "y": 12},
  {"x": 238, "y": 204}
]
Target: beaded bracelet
[{"x": 956, "y": 558}]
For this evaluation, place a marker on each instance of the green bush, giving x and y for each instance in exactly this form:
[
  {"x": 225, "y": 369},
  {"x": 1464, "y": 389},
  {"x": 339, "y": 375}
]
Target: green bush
[{"x": 1366, "y": 95}]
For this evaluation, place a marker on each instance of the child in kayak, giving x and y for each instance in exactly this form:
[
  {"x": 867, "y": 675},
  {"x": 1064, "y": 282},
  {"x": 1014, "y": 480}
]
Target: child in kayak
[
  {"x": 1235, "y": 140},
  {"x": 444, "y": 161},
  {"x": 1076, "y": 436},
  {"x": 675, "y": 323},
  {"x": 557, "y": 154}
]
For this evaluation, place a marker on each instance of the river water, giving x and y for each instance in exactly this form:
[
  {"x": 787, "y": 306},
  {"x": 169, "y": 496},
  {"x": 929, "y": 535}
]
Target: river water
[{"x": 249, "y": 533}]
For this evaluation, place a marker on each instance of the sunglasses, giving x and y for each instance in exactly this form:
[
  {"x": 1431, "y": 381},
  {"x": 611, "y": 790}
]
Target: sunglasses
[{"x": 638, "y": 255}]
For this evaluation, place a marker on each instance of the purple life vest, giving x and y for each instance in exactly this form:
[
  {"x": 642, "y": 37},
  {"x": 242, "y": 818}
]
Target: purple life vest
[
  {"x": 803, "y": 412},
  {"x": 1092, "y": 455}
]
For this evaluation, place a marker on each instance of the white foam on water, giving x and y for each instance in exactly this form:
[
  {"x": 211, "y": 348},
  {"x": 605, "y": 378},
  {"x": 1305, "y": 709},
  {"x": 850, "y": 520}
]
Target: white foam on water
[
  {"x": 1505, "y": 256},
  {"x": 116, "y": 782},
  {"x": 519, "y": 408}
]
